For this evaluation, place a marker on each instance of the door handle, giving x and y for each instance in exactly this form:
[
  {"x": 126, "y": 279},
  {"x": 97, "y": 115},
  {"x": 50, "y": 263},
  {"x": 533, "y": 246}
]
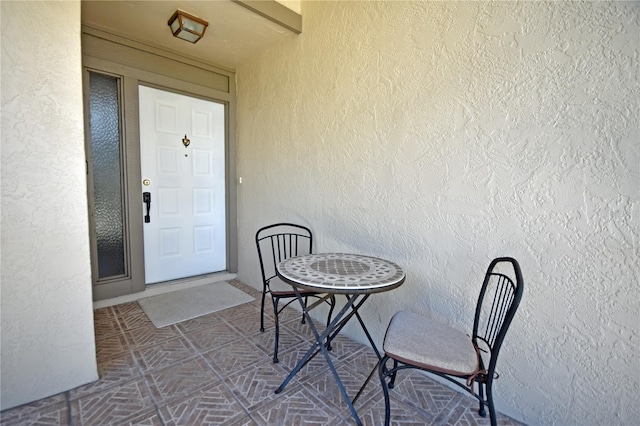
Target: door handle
[{"x": 146, "y": 198}]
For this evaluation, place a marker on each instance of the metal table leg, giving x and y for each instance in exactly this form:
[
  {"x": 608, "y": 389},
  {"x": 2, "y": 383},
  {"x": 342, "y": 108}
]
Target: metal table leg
[{"x": 354, "y": 302}]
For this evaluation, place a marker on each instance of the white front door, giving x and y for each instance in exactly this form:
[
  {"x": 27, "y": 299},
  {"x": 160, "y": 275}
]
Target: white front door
[{"x": 182, "y": 159}]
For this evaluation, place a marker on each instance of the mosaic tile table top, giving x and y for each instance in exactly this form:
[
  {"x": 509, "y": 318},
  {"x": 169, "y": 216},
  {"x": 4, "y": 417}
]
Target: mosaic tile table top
[{"x": 341, "y": 273}]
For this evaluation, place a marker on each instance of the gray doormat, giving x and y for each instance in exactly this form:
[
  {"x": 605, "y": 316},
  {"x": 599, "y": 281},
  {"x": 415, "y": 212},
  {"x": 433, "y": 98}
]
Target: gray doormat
[{"x": 171, "y": 308}]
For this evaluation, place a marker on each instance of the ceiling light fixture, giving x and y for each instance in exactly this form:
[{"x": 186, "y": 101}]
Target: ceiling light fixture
[{"x": 187, "y": 27}]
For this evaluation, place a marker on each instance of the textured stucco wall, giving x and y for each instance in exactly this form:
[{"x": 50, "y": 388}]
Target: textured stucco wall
[
  {"x": 291, "y": 4},
  {"x": 47, "y": 316},
  {"x": 443, "y": 134}
]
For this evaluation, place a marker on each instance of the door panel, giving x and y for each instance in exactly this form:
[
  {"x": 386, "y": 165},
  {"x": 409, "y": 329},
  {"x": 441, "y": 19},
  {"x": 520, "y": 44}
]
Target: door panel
[{"x": 183, "y": 158}]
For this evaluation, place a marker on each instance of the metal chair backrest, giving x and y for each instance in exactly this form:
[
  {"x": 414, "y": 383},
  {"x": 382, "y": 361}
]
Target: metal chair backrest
[
  {"x": 281, "y": 241},
  {"x": 497, "y": 304}
]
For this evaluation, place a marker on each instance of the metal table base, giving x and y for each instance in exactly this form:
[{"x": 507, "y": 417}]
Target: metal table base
[{"x": 354, "y": 302}]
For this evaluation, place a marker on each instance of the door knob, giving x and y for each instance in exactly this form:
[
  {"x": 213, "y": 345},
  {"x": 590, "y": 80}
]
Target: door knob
[{"x": 146, "y": 198}]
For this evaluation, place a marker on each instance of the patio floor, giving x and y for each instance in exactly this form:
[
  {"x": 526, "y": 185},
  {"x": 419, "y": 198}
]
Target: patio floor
[{"x": 217, "y": 370}]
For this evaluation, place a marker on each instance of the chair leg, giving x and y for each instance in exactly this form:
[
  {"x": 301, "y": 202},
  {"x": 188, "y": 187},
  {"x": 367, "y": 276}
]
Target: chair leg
[
  {"x": 492, "y": 410},
  {"x": 264, "y": 293},
  {"x": 277, "y": 326},
  {"x": 382, "y": 372},
  {"x": 332, "y": 304},
  {"x": 481, "y": 410},
  {"x": 392, "y": 382}
]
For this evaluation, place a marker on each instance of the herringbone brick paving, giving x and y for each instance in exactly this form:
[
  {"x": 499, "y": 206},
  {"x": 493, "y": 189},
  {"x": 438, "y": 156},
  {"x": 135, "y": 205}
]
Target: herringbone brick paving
[{"x": 217, "y": 370}]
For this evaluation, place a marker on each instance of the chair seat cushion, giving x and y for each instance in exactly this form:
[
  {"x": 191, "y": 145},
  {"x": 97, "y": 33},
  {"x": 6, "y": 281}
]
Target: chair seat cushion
[
  {"x": 281, "y": 288},
  {"x": 420, "y": 341}
]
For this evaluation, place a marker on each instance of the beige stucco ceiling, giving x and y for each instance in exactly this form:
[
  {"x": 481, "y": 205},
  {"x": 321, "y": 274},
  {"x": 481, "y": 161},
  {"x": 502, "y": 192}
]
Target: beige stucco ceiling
[{"x": 235, "y": 34}]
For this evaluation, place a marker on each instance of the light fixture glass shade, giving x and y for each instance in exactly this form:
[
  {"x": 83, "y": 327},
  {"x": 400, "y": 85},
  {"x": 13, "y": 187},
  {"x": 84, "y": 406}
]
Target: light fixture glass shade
[
  {"x": 186, "y": 26},
  {"x": 185, "y": 35}
]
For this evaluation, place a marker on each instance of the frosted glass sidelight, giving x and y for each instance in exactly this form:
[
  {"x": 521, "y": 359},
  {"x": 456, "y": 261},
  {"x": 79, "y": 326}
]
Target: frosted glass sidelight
[{"x": 104, "y": 110}]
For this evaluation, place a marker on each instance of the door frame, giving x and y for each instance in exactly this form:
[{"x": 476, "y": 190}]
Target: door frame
[
  {"x": 112, "y": 55},
  {"x": 130, "y": 281}
]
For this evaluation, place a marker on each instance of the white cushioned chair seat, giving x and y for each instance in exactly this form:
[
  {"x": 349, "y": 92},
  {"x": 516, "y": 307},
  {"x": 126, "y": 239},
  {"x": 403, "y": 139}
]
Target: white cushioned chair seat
[
  {"x": 278, "y": 286},
  {"x": 429, "y": 344}
]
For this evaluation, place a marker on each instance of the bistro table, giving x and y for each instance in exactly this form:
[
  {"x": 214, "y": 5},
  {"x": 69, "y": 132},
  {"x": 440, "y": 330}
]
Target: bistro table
[{"x": 352, "y": 275}]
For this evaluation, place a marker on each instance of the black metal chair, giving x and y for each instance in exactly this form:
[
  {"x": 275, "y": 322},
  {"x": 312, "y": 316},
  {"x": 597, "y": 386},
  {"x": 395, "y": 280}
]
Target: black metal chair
[
  {"x": 276, "y": 243},
  {"x": 414, "y": 341}
]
